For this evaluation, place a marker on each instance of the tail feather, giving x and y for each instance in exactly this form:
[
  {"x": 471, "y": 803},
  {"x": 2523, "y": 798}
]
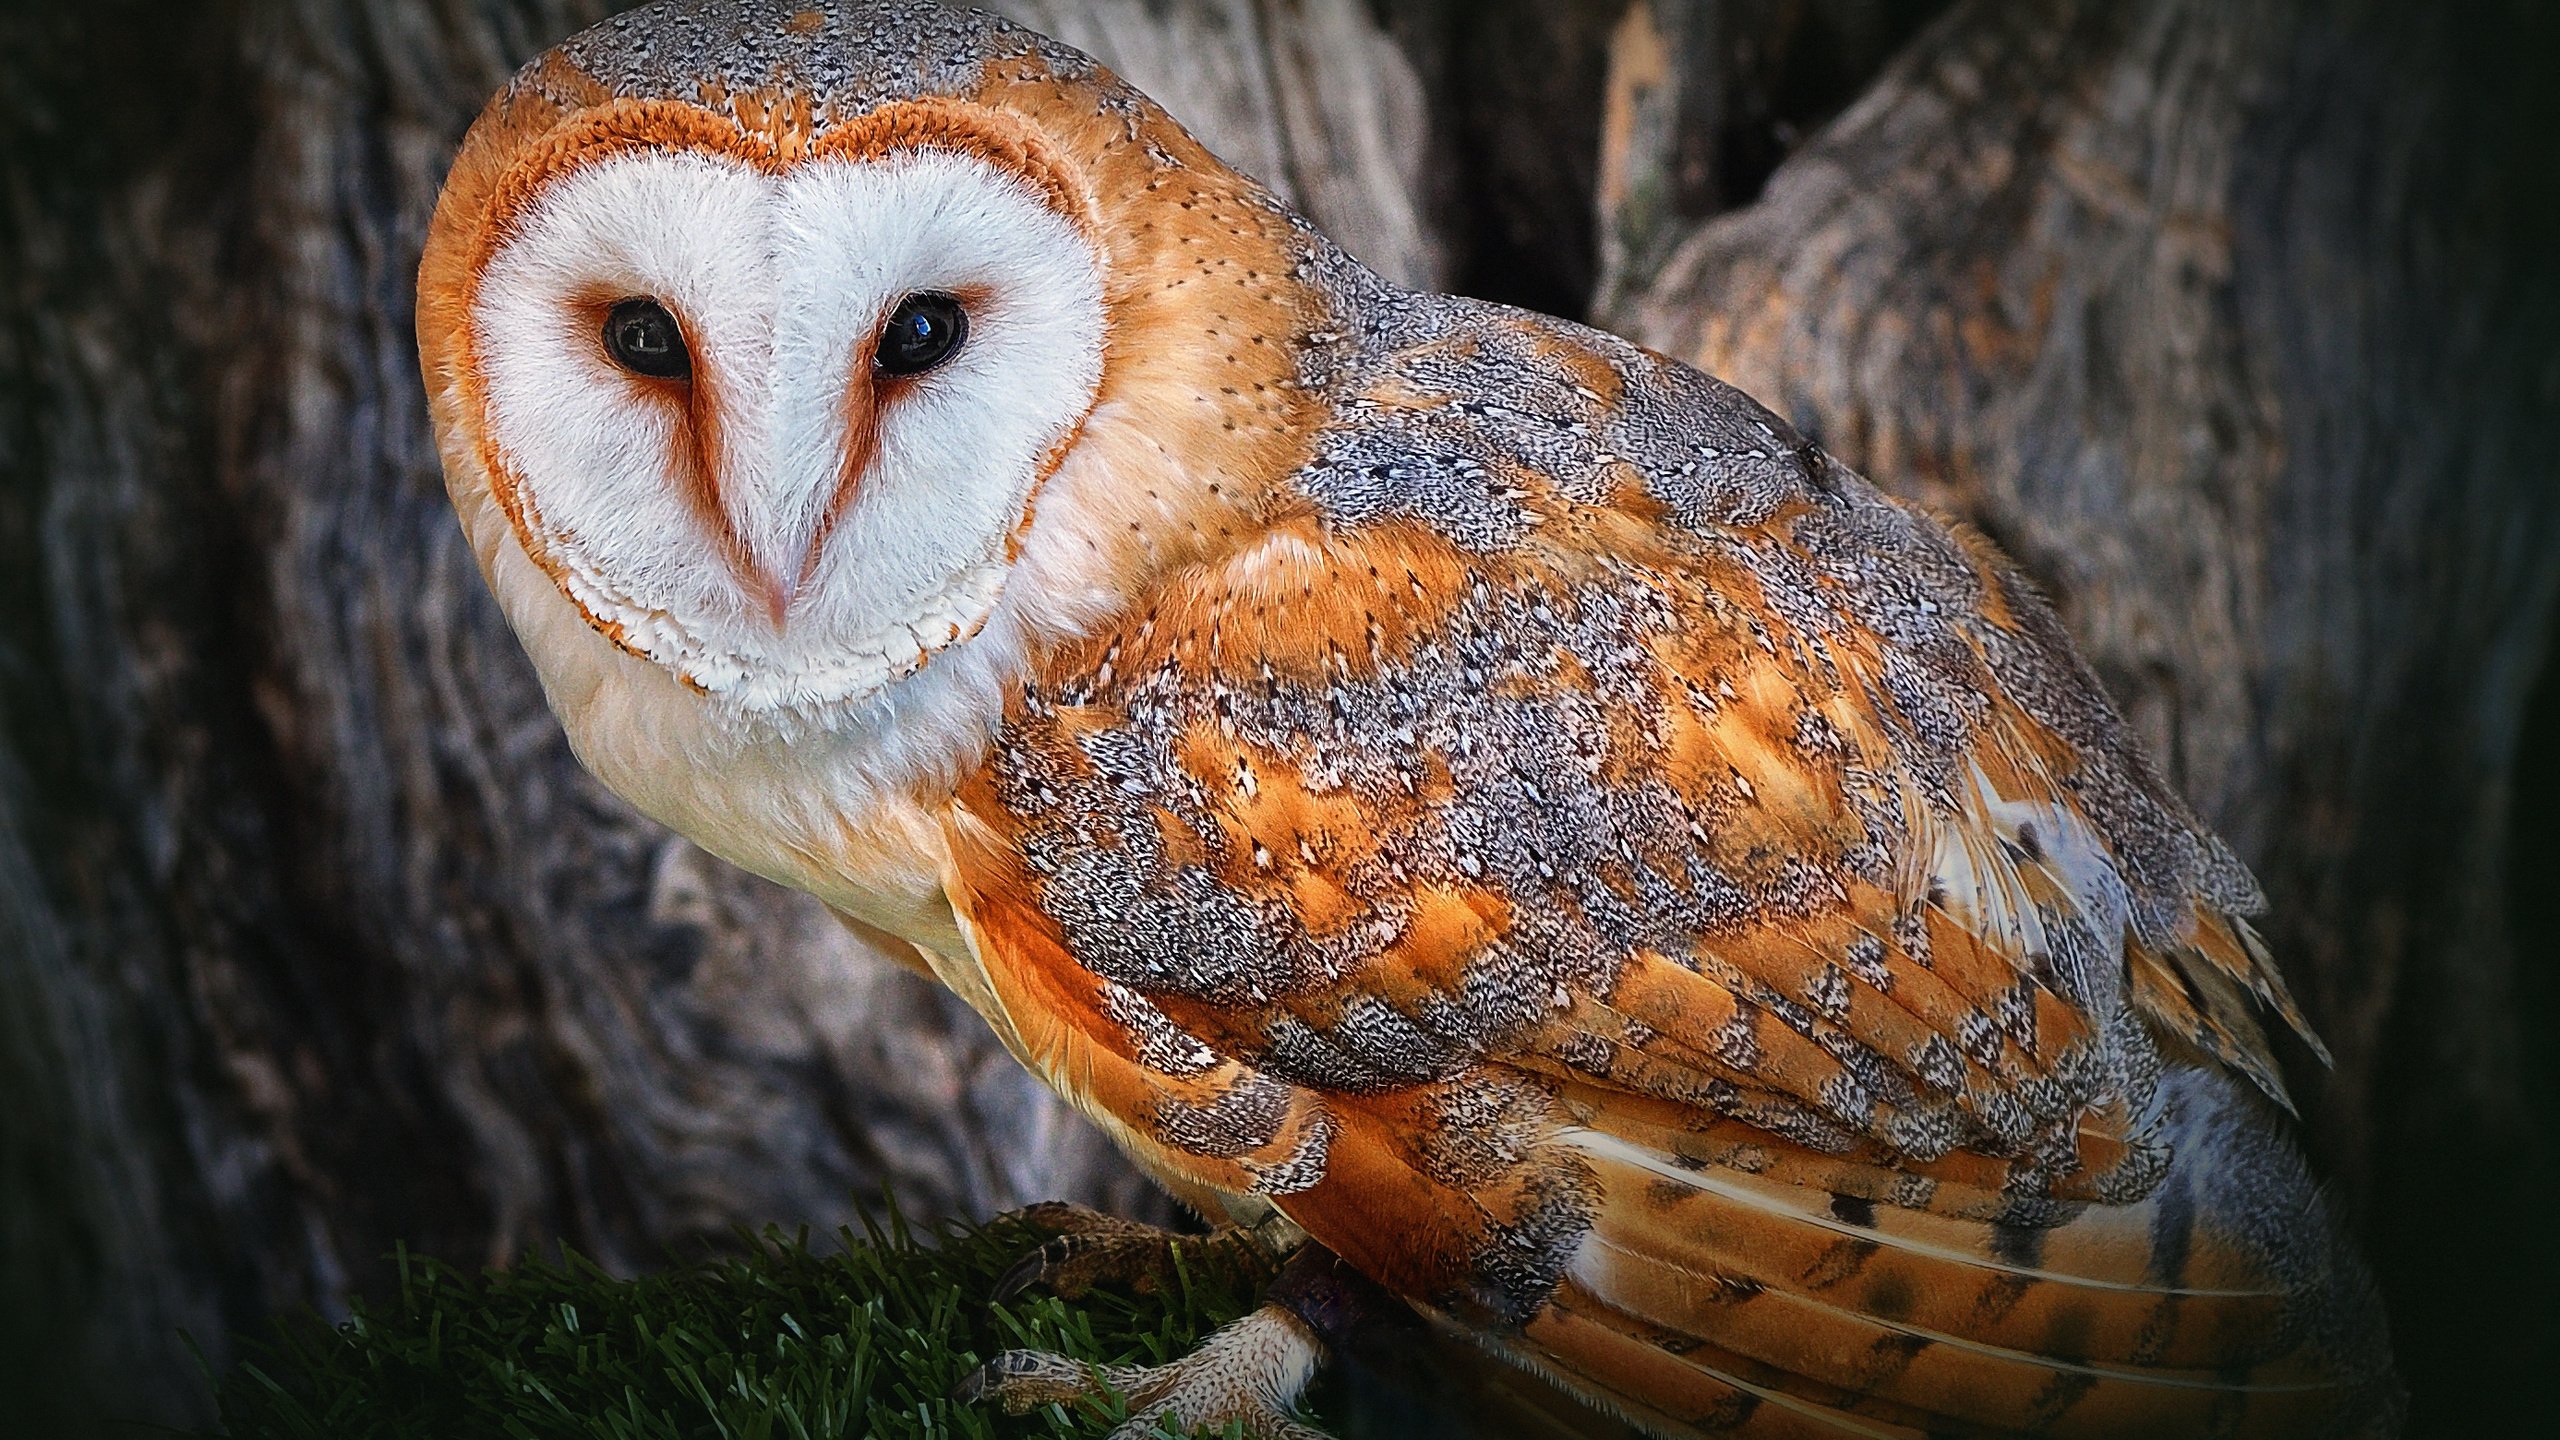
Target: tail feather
[
  {"x": 1877, "y": 1319},
  {"x": 1842, "y": 1349},
  {"x": 1708, "y": 1237},
  {"x": 1690, "y": 1390}
]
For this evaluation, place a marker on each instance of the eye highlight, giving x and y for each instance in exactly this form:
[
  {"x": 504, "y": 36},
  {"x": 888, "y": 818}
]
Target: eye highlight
[
  {"x": 644, "y": 339},
  {"x": 921, "y": 333}
]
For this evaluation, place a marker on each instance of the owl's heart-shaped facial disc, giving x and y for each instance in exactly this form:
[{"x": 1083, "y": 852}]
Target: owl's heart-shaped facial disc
[{"x": 774, "y": 425}]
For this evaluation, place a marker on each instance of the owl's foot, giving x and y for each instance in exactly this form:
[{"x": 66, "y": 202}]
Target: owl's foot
[
  {"x": 1249, "y": 1373},
  {"x": 1091, "y": 1248}
]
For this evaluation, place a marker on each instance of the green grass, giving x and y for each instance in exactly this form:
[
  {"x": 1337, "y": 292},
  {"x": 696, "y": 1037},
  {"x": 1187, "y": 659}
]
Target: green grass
[{"x": 787, "y": 1341}]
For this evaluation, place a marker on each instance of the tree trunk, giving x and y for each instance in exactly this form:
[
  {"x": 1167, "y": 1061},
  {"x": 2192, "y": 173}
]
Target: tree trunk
[
  {"x": 2234, "y": 323},
  {"x": 314, "y": 939},
  {"x": 318, "y": 939}
]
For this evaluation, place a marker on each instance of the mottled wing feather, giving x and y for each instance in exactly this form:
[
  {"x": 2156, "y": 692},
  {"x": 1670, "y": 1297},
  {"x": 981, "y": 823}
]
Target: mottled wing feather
[
  {"x": 1626, "y": 886},
  {"x": 1205, "y": 1122}
]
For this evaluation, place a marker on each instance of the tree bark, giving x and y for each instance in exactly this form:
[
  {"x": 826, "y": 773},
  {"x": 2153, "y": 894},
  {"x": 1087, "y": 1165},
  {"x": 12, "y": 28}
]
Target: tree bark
[
  {"x": 2233, "y": 322},
  {"x": 314, "y": 938},
  {"x": 318, "y": 939}
]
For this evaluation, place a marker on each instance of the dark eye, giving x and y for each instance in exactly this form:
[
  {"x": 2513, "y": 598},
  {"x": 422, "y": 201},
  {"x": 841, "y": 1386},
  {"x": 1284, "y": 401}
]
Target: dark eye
[
  {"x": 644, "y": 339},
  {"x": 922, "y": 332}
]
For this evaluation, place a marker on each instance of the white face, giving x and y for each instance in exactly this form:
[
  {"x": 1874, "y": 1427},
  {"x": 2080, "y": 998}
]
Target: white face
[{"x": 791, "y": 526}]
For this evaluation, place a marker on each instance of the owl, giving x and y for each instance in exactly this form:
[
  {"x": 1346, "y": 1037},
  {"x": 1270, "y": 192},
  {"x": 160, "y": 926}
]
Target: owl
[{"x": 1484, "y": 810}]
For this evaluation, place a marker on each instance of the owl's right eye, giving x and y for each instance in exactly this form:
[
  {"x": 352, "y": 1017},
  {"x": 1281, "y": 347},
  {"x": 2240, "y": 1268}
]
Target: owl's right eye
[{"x": 644, "y": 339}]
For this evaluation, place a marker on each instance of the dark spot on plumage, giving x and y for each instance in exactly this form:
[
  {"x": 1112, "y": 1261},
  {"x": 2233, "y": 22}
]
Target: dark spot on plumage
[
  {"x": 2000, "y": 1296},
  {"x": 2019, "y": 1245},
  {"x": 1821, "y": 473},
  {"x": 2173, "y": 1225},
  {"x": 1888, "y": 1296},
  {"x": 1737, "y": 1289},
  {"x": 1841, "y": 1260},
  {"x": 1854, "y": 1210},
  {"x": 1729, "y": 1413},
  {"x": 2039, "y": 968},
  {"x": 2159, "y": 1327},
  {"x": 1888, "y": 1356},
  {"x": 2068, "y": 1331},
  {"x": 2056, "y": 1397}
]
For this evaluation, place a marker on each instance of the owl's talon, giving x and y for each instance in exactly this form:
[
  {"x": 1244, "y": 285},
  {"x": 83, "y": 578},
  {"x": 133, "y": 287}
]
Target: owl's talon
[
  {"x": 1090, "y": 1249},
  {"x": 1069, "y": 1266},
  {"x": 1024, "y": 1380},
  {"x": 1095, "y": 1249},
  {"x": 1248, "y": 1374}
]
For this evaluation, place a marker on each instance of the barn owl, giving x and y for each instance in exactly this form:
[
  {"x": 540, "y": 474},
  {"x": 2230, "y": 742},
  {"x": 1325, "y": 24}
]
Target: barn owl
[{"x": 1452, "y": 794}]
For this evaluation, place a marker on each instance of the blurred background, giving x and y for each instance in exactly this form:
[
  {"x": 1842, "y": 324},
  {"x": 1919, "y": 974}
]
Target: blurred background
[{"x": 2234, "y": 320}]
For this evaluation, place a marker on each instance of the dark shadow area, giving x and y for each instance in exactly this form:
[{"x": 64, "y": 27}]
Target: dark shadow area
[
  {"x": 1517, "y": 92},
  {"x": 1816, "y": 59},
  {"x": 2533, "y": 890},
  {"x": 2460, "y": 1242}
]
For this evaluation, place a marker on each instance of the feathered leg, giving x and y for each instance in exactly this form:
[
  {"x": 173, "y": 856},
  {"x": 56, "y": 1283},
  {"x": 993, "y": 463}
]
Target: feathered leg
[{"x": 1250, "y": 1372}]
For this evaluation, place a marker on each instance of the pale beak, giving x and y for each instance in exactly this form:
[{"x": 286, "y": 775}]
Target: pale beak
[{"x": 778, "y": 594}]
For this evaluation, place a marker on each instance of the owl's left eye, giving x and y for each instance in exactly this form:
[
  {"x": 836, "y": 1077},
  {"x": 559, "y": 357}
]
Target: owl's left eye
[
  {"x": 921, "y": 333},
  {"x": 644, "y": 339}
]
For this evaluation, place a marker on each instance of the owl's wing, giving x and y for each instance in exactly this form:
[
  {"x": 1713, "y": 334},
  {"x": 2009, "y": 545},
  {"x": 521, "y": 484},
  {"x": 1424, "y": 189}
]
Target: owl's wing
[{"x": 1730, "y": 961}]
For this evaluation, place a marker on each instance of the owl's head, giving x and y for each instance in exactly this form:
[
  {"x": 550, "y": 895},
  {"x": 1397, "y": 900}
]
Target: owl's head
[{"x": 789, "y": 340}]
